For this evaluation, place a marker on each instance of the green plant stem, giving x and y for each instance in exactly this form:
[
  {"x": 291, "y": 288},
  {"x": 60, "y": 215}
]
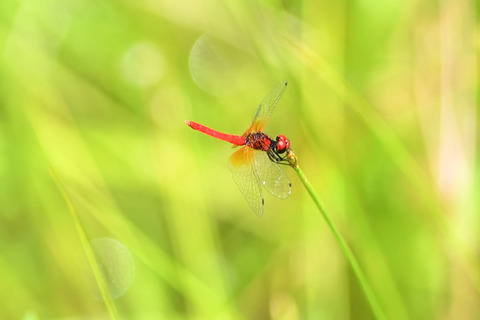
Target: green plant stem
[
  {"x": 112, "y": 310},
  {"x": 367, "y": 289}
]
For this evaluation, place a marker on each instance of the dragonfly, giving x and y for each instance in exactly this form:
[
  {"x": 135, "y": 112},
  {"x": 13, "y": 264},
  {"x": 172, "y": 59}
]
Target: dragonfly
[{"x": 257, "y": 162}]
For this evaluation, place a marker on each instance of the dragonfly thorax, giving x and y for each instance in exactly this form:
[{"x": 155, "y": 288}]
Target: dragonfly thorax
[
  {"x": 274, "y": 148},
  {"x": 259, "y": 141}
]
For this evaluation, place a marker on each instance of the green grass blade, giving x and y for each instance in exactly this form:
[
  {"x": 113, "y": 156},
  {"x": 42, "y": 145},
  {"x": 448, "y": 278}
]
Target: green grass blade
[
  {"x": 112, "y": 310},
  {"x": 362, "y": 279},
  {"x": 357, "y": 270}
]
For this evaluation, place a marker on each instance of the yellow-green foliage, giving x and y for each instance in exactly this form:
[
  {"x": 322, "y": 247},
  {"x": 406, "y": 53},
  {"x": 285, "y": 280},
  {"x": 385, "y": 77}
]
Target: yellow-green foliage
[{"x": 381, "y": 110}]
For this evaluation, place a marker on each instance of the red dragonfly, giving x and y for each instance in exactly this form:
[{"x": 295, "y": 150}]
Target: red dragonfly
[{"x": 256, "y": 163}]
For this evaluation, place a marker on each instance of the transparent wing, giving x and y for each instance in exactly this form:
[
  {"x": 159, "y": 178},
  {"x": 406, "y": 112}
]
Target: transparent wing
[
  {"x": 272, "y": 176},
  {"x": 242, "y": 167},
  {"x": 266, "y": 108}
]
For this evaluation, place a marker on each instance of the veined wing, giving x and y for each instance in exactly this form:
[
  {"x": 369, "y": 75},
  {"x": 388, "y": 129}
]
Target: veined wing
[
  {"x": 272, "y": 176},
  {"x": 243, "y": 172},
  {"x": 266, "y": 108}
]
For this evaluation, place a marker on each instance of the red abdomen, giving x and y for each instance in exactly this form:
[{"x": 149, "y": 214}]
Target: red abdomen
[{"x": 237, "y": 140}]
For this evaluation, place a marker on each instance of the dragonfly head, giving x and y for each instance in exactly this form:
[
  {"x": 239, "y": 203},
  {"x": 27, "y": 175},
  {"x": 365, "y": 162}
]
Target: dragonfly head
[{"x": 283, "y": 144}]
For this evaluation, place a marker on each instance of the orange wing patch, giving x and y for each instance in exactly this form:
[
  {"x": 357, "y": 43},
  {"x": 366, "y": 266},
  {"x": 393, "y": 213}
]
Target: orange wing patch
[{"x": 244, "y": 156}]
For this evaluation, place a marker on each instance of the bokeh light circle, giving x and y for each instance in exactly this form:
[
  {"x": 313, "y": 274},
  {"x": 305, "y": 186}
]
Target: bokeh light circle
[
  {"x": 116, "y": 264},
  {"x": 213, "y": 66},
  {"x": 143, "y": 64}
]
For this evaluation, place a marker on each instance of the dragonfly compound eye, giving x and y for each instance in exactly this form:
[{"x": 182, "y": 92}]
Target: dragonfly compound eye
[{"x": 282, "y": 143}]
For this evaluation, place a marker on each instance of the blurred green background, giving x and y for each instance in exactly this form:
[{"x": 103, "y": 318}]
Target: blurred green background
[{"x": 381, "y": 110}]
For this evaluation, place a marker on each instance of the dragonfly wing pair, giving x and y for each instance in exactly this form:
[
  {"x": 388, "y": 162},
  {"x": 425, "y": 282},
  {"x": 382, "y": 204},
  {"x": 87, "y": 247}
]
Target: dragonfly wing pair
[{"x": 250, "y": 170}]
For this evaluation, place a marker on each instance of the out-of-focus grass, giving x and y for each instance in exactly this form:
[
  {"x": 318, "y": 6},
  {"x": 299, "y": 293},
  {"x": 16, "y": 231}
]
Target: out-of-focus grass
[{"x": 381, "y": 110}]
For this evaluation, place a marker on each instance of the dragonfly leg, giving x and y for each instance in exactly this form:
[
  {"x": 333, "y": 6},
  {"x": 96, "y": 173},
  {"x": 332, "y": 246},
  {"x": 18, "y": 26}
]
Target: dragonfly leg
[{"x": 276, "y": 157}]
